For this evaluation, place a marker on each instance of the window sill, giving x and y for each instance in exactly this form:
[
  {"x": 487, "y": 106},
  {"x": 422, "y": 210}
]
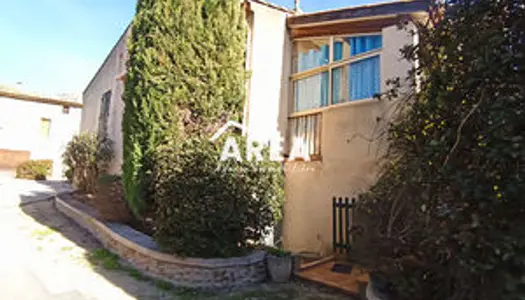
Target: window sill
[{"x": 333, "y": 106}]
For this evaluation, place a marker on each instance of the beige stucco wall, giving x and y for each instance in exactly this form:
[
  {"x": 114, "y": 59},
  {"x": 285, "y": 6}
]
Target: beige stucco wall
[
  {"x": 106, "y": 80},
  {"x": 21, "y": 129},
  {"x": 349, "y": 159}
]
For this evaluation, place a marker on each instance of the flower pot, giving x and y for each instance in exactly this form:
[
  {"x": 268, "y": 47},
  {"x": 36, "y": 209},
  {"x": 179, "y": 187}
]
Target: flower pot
[{"x": 279, "y": 267}]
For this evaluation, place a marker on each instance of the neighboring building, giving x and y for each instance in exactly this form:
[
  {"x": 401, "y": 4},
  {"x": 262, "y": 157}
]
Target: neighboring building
[
  {"x": 35, "y": 127},
  {"x": 313, "y": 78}
]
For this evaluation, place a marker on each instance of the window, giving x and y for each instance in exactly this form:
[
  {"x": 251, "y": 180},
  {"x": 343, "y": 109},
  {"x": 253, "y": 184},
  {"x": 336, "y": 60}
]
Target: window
[
  {"x": 104, "y": 114},
  {"x": 311, "y": 54},
  {"x": 351, "y": 65},
  {"x": 45, "y": 127},
  {"x": 329, "y": 71}
]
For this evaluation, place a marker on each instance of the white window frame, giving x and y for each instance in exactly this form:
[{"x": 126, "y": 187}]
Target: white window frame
[
  {"x": 328, "y": 68},
  {"x": 316, "y": 71}
]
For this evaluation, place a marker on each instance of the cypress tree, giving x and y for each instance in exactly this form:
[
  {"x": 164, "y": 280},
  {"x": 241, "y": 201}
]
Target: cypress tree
[{"x": 185, "y": 76}]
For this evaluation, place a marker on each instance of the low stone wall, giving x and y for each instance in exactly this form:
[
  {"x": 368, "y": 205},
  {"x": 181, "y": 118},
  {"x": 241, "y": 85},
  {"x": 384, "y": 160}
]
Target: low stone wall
[{"x": 188, "y": 272}]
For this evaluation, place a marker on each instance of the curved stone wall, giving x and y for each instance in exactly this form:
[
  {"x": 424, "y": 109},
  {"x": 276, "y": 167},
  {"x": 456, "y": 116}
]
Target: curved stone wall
[{"x": 138, "y": 250}]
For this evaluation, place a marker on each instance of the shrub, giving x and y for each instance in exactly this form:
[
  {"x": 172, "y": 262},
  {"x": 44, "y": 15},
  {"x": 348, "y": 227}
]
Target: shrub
[
  {"x": 186, "y": 68},
  {"x": 34, "y": 169},
  {"x": 209, "y": 208},
  {"x": 445, "y": 219},
  {"x": 86, "y": 158}
]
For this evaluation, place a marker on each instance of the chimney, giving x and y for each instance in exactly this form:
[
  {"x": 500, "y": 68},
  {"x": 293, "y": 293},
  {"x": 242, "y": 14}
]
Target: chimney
[{"x": 297, "y": 7}]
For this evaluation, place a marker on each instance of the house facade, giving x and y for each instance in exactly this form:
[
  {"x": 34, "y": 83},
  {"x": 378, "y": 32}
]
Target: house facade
[
  {"x": 313, "y": 81},
  {"x": 35, "y": 127}
]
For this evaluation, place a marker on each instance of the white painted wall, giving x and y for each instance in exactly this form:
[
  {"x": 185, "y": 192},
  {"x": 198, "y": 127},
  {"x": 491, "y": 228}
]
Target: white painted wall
[
  {"x": 106, "y": 80},
  {"x": 20, "y": 129},
  {"x": 270, "y": 66}
]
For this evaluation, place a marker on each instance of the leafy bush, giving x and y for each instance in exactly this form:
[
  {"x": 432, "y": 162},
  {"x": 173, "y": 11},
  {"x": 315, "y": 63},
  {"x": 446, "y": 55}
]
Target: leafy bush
[
  {"x": 34, "y": 169},
  {"x": 86, "y": 158},
  {"x": 209, "y": 208},
  {"x": 186, "y": 78},
  {"x": 445, "y": 219},
  {"x": 279, "y": 252}
]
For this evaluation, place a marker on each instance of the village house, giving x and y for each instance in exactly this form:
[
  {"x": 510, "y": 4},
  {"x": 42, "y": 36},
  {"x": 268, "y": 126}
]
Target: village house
[
  {"x": 313, "y": 81},
  {"x": 35, "y": 127}
]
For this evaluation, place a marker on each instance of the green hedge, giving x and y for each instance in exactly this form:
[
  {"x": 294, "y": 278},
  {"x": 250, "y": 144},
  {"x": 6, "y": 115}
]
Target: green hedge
[
  {"x": 209, "y": 208},
  {"x": 35, "y": 169}
]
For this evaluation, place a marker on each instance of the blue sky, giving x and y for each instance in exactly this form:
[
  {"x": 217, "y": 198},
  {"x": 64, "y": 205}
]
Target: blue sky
[{"x": 55, "y": 46}]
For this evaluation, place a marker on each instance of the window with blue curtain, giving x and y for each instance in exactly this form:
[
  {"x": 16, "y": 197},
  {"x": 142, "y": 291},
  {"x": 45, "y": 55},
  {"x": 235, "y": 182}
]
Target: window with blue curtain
[
  {"x": 358, "y": 79},
  {"x": 346, "y": 47},
  {"x": 362, "y": 44},
  {"x": 311, "y": 92},
  {"x": 365, "y": 78},
  {"x": 312, "y": 55}
]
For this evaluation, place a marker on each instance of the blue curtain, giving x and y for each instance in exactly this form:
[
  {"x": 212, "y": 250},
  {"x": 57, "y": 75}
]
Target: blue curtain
[
  {"x": 311, "y": 92},
  {"x": 324, "y": 88},
  {"x": 361, "y": 44},
  {"x": 338, "y": 51},
  {"x": 365, "y": 78},
  {"x": 313, "y": 58},
  {"x": 336, "y": 85}
]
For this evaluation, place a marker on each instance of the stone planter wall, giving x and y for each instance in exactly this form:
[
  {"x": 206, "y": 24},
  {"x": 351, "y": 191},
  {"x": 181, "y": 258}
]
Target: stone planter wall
[{"x": 139, "y": 250}]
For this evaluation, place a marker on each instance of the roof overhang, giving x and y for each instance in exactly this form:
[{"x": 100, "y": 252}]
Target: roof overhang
[
  {"x": 39, "y": 99},
  {"x": 358, "y": 19}
]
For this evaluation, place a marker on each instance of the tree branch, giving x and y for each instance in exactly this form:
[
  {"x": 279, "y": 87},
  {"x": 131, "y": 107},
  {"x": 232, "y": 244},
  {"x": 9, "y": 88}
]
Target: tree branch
[{"x": 460, "y": 128}]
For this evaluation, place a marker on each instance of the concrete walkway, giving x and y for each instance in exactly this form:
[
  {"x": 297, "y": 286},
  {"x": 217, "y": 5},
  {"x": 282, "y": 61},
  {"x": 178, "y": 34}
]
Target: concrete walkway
[
  {"x": 44, "y": 254},
  {"x": 15, "y": 192}
]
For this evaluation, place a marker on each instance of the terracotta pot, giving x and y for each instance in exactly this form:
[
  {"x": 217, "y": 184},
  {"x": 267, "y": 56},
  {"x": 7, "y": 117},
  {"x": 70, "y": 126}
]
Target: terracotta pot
[{"x": 279, "y": 268}]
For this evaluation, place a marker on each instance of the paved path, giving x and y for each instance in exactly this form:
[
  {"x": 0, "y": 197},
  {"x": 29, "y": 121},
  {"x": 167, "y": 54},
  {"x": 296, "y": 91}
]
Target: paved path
[
  {"x": 14, "y": 192},
  {"x": 44, "y": 255}
]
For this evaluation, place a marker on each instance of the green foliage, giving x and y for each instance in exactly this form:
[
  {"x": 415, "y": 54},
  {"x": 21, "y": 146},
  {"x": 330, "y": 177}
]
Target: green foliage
[
  {"x": 86, "y": 158},
  {"x": 186, "y": 78},
  {"x": 279, "y": 252},
  {"x": 105, "y": 258},
  {"x": 445, "y": 220},
  {"x": 212, "y": 208},
  {"x": 186, "y": 69},
  {"x": 34, "y": 169}
]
